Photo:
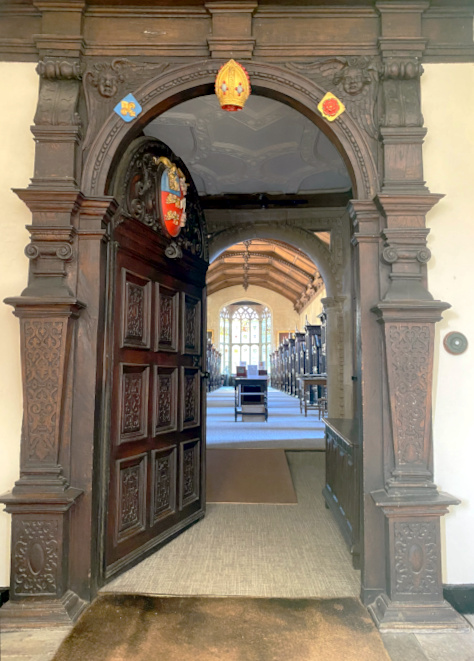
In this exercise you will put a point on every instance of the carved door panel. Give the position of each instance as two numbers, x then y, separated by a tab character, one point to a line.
156	461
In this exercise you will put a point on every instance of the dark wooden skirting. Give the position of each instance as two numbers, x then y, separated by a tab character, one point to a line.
342	489
4	595
461	597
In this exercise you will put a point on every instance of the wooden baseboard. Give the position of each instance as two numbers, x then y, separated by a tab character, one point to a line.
4	595
461	597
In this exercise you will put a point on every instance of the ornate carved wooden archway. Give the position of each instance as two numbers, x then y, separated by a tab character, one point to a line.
56	533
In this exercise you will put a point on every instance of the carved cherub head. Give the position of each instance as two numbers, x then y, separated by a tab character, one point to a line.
106	78
353	79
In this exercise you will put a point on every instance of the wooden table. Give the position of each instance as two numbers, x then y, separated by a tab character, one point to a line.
251	393
305	383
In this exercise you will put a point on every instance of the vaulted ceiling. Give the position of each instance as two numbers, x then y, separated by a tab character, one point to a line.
271	264
266	155
268	147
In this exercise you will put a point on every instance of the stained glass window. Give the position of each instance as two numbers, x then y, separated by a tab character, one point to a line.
250	338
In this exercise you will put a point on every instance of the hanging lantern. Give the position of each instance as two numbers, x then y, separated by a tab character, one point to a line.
232	86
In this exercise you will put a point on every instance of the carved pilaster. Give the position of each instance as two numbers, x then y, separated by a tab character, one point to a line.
405	245
52	240
401	46
57	128
41	498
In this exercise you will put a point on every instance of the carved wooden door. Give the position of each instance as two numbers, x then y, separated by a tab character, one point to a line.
157	426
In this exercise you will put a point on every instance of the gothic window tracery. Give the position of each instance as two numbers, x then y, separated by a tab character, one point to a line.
245	336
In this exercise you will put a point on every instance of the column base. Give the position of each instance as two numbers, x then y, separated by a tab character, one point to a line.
32	613
398	617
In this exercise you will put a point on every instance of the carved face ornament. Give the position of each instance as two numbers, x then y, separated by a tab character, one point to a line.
353	81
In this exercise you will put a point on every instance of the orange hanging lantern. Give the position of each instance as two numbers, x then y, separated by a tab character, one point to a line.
232	86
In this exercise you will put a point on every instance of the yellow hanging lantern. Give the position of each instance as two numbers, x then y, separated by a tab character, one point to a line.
232	86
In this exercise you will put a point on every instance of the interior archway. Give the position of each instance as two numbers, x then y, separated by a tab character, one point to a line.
197	79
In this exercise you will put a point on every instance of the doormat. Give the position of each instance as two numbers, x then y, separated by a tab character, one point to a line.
249	476
123	627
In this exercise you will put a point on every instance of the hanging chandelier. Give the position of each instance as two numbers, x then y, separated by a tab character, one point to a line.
247	245
232	86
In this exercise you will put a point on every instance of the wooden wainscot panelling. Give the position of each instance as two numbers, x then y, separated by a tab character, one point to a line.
136	308
166	321
164	471
165	400
134	402
191	315
190	397
131	502
342	489
189	472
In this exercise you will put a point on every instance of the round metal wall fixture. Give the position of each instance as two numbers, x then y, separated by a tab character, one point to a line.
455	343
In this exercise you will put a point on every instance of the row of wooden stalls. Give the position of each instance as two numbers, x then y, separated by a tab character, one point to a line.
302	353
214	358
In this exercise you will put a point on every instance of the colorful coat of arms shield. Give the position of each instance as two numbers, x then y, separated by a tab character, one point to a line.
172	187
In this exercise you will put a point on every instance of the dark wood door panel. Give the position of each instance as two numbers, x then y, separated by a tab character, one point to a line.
156	475
136	310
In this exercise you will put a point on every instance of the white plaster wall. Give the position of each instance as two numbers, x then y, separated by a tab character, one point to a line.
16	167
283	314
448	100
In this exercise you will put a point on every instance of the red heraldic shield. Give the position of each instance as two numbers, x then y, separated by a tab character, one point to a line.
173	189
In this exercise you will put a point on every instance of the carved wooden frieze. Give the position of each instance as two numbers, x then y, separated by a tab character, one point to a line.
190	401
189	472
131	501
165	399
164	467
354	80
409	362
136	310
416	558
191	315
36	556
134	402
166	322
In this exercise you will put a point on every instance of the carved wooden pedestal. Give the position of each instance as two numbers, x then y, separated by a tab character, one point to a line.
410	501
41	499
39	565
415	592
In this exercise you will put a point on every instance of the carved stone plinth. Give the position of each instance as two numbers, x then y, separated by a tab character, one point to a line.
415	592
